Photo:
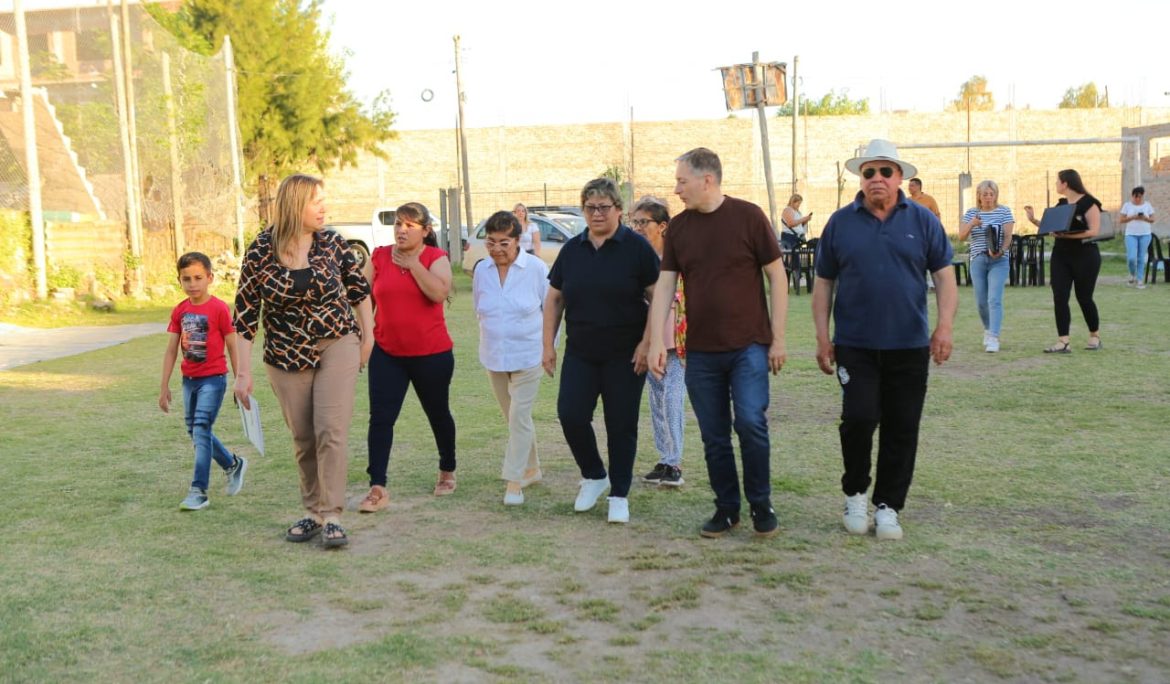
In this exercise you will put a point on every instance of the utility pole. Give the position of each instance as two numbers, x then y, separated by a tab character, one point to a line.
795	113
132	120
32	162
761	99
134	270
176	168
233	122
462	136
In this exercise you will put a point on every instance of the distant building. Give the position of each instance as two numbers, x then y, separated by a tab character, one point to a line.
69	46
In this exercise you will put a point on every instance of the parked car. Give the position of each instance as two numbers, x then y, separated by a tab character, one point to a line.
553	235
363	238
556	209
574	222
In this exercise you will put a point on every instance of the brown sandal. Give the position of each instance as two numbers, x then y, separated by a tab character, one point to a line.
376	500
446	483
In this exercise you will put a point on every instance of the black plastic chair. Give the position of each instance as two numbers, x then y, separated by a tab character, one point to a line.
800	264
962	272
1156	257
1026	261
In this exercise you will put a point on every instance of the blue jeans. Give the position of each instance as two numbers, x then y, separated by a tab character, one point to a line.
988	276
1137	250
202	398
666	410
717	381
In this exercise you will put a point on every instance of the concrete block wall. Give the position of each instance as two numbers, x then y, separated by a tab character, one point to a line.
510	164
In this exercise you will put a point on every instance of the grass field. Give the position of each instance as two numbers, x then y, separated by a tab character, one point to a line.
1037	535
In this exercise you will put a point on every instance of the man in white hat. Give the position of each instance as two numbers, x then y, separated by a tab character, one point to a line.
876	252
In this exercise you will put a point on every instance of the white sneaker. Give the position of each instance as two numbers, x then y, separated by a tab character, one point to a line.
1141	286
886	523
1131	280
619	509
992	345
589	493
857	514
986	338
513	498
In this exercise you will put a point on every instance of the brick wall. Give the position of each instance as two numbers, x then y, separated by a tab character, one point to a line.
511	164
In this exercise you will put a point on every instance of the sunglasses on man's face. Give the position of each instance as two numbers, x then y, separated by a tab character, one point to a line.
886	171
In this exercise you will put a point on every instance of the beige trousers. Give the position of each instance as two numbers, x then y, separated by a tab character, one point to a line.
318	407
516	392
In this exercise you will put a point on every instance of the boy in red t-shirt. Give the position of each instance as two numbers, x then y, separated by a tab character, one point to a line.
202	328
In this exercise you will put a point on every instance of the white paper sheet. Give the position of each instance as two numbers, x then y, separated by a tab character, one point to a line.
251	419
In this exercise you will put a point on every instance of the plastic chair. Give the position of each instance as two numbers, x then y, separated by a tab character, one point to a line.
1156	257
962	272
800	264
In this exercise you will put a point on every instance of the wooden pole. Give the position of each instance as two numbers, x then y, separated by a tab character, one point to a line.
761	97
795	114
134	271
32	162
132	119
229	62
176	168
463	136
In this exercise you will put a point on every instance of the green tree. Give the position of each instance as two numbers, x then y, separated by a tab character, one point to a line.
831	104
294	107
974	94
1084	97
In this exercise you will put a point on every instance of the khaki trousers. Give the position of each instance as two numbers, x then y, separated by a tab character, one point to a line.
516	392
318	407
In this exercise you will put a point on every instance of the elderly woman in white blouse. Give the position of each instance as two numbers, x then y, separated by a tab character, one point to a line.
508	293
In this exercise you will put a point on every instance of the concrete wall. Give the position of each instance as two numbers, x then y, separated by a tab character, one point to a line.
511	164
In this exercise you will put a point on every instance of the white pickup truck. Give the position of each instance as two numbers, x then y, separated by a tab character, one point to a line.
364	237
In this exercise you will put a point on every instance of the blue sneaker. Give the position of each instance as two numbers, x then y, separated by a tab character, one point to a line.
196	500
235	476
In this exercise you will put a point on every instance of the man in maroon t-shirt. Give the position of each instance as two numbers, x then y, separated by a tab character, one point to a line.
723	247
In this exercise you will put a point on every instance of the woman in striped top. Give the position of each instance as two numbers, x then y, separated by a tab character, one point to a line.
987	227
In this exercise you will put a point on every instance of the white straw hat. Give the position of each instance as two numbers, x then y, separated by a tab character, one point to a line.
881	150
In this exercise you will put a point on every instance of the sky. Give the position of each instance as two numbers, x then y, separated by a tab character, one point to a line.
556	62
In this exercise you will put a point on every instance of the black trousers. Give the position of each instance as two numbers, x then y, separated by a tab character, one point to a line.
390	376
620	390
1075	270
883	388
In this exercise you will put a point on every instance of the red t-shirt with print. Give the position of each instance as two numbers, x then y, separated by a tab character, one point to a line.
201	328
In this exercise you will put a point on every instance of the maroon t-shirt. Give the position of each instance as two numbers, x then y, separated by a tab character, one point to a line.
720	255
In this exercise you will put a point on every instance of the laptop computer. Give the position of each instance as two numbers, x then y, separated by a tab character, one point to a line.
1057	219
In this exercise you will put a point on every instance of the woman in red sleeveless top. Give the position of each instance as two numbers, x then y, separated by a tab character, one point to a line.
411	281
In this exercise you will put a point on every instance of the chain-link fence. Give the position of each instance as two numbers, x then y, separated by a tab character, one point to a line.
173	131
822	199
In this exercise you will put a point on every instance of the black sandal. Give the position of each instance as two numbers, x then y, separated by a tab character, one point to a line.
334	536
308	527
1058	348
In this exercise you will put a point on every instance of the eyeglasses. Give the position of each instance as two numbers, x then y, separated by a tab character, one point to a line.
641	223
886	171
597	208
501	244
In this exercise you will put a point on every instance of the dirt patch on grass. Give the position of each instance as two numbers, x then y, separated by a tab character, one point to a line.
565	596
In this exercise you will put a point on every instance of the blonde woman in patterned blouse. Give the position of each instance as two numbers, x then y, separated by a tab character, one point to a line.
304	285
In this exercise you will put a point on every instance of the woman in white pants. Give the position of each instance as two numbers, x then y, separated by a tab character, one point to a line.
508	293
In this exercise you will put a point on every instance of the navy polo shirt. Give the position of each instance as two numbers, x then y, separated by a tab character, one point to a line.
604	293
879	268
